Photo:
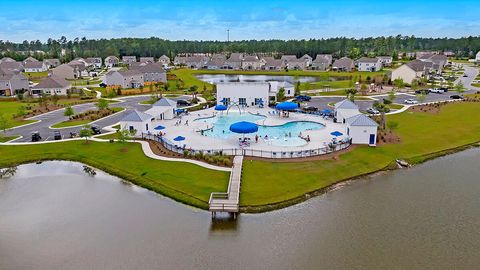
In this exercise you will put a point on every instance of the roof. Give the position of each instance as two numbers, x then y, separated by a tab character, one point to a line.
367	60
130	72
271	62
418	65
111	57
136	116
250	58
165	102
306	56
7	59
345	104
361	120
52	61
151	68
33	64
385	57
52	82
164	57
235	57
216	62
288	57
30	59
343	62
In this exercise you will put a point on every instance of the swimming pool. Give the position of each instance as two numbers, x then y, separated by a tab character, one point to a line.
282	135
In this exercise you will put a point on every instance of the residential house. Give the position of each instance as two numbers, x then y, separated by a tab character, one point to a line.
477	58
35	66
422	54
7	66
180	61
287	58
153	72
95	62
288	87
343	64
52	63
52	85
215	63
439	61
362	129
7	59
344	110
125	79
234	61
322	62
111	61
196	61
308	59
272	64
413	70
13	83
163	109
386	60
297	64
68	71
147	60
129	59
137	122
29	59
164	60
251	62
369	64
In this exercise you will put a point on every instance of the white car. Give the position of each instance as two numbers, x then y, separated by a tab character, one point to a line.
410	101
436	90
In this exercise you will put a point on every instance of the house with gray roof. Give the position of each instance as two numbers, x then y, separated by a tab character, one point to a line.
95	62
344	109
439	61
413	70
163	109
180	60
362	129
386	60
124	79
6	59
30	59
164	60
287	58
147	59
137	122
111	61
153	72
234	61
322	62
272	64
369	64
251	62
11	67
52	63
343	64
35	66
52	85
126	59
308	59
196	61
13	83
69	71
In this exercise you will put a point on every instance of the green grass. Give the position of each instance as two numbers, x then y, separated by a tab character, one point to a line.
111	136
75	122
184	182
7	138
422	134
84	82
395	106
476	84
9	109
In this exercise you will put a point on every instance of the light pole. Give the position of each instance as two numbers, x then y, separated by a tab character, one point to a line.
228	35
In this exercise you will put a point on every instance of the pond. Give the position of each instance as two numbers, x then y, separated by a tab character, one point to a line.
56	216
217	78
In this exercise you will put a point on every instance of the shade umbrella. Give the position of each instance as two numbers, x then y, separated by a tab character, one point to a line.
159	127
220	107
244	127
287	106
179	138
326	111
336	133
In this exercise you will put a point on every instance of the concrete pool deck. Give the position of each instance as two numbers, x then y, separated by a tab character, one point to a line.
318	138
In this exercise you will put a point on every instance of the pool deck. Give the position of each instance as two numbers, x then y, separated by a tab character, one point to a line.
194	139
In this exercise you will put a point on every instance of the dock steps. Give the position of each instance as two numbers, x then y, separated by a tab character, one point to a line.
228	201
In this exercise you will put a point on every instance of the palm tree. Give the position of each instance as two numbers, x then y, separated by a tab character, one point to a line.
382	108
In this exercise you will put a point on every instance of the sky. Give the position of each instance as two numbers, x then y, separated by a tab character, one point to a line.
261	19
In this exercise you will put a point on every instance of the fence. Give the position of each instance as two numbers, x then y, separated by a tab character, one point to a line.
250	152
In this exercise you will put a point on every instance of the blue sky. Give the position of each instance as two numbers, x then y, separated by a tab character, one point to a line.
260	19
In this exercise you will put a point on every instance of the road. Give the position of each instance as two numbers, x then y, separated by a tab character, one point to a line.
49	119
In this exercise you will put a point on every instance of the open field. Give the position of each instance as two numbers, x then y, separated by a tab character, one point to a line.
422	135
184	182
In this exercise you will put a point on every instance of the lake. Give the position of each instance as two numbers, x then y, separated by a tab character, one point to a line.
218	78
55	216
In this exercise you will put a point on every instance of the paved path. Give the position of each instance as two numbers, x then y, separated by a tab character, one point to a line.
229	201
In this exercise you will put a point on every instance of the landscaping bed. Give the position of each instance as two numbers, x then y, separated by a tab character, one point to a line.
87	117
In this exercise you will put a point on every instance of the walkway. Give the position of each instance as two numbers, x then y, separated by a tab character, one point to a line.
229	201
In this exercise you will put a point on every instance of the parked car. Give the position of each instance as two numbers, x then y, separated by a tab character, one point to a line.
435	90
465	75
445	89
56	135
36	136
456	97
303	98
96	130
182	102
372	111
102	85
410	101
310	108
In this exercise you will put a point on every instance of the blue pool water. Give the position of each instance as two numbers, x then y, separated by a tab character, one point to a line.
283	135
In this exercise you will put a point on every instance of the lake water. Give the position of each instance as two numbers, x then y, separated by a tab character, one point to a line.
55	216
217	78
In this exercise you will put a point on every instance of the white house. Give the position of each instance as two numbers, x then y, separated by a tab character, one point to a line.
163	109
477	58
287	86
243	93
344	110
111	61
362	129
387	61
369	64
137	121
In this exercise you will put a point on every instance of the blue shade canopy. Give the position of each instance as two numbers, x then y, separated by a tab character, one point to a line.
244	127
326	111
287	106
220	107
159	127
336	133
179	138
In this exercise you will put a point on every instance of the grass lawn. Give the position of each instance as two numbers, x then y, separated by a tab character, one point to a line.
422	134
78	122
7	138
476	84
9	109
395	106
184	182
108	136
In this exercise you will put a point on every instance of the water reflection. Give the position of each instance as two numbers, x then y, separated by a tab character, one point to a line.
224	222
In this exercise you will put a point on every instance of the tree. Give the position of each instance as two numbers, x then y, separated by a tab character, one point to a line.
382	108
21	111
55	99
391	96
69	112
363	89
297	88
102	104
86	132
398	83
281	94
459	88
351	94
193	90
123	134
414	85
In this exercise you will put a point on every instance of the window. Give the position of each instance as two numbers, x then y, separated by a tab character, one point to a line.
242	101
146	127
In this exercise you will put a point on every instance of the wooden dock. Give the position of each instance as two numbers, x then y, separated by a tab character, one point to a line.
228	201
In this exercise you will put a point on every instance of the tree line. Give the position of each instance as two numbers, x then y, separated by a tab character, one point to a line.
342	46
